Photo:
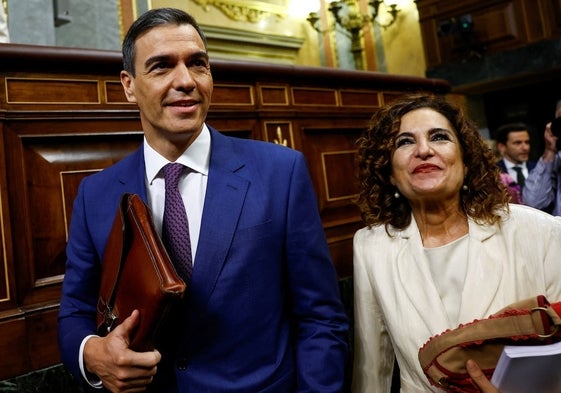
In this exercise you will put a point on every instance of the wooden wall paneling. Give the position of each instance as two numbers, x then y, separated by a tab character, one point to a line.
41	333
114	93
13	347
431	42
18	227
52	164
365	99
273	95
551	14
238	124
232	110
536	24
498	25
501	27
7	268
63	92
51	91
331	152
314	96
233	95
494	28
54	167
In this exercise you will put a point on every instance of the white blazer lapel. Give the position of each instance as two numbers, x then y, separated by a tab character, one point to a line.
417	282
484	272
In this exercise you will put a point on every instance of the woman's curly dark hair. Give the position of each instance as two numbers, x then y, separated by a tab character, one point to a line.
485	194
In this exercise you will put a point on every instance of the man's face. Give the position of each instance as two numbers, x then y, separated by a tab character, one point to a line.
517	147
172	86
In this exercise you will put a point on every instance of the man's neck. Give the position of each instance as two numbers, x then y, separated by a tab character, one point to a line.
513	163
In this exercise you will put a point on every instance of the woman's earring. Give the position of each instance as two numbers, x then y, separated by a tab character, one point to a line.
396	194
464	187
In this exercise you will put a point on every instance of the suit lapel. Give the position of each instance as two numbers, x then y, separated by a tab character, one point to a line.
132	177
484	272
224	200
413	269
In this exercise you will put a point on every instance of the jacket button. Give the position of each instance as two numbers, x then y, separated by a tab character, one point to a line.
182	364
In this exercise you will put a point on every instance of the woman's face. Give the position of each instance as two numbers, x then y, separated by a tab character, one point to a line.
427	161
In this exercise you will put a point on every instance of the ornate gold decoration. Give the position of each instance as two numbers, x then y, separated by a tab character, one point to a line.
347	15
246	11
280	140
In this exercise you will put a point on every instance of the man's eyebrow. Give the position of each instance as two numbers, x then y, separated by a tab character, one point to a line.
167	58
156	59
201	54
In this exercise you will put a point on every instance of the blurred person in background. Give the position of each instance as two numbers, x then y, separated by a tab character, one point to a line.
543	186
513	144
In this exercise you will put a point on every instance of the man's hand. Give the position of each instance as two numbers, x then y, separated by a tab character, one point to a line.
120	368
479	379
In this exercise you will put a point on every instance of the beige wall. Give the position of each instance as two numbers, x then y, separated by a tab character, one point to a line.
403	45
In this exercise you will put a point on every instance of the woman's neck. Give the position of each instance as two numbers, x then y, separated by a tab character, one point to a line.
438	227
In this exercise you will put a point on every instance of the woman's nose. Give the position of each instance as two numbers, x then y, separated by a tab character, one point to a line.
424	148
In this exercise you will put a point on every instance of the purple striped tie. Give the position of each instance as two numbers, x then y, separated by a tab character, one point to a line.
175	229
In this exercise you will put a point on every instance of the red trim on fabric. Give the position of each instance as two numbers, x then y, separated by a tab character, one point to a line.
557	308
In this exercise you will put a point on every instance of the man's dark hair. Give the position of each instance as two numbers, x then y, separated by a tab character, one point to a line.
149	20
501	135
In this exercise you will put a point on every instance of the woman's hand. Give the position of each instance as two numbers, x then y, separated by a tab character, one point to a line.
479	379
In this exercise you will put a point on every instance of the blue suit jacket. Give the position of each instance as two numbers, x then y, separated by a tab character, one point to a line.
264	309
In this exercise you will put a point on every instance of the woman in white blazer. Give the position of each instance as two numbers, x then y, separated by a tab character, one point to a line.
441	245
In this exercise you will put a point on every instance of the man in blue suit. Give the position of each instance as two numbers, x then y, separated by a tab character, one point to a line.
263	311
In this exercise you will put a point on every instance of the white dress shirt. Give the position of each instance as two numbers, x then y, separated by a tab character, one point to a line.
449	274
192	184
510	168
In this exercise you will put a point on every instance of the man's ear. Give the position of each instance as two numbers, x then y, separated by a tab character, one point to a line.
128	85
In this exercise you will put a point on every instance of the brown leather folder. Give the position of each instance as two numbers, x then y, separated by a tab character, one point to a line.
137	273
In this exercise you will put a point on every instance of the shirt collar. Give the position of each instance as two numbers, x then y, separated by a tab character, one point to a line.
196	157
509	164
